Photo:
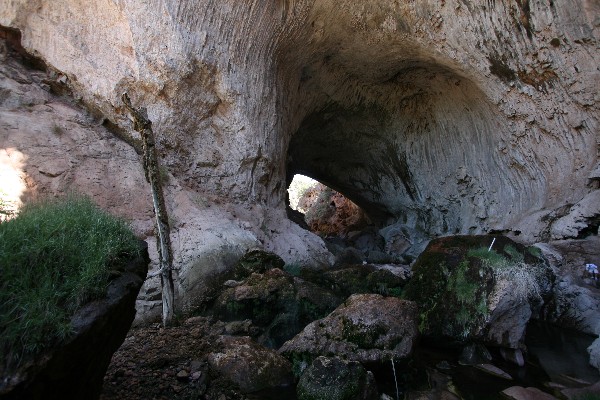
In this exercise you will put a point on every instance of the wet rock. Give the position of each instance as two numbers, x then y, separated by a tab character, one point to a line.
275	302
366	328
474	354
468	293
249	365
384	279
594	351
493	370
256	261
588	392
75	369
514	356
530	393
336	379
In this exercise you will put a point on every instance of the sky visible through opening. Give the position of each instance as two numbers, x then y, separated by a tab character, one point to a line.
299	185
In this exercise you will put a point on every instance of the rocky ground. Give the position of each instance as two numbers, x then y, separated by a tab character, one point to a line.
167	363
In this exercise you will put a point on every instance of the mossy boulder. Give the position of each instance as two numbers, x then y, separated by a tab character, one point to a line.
279	304
384	279
336	379
467	292
257	261
367	328
248	365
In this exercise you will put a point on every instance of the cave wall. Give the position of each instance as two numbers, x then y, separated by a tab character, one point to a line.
456	115
453	116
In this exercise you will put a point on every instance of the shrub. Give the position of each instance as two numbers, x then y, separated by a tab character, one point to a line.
54	257
523	278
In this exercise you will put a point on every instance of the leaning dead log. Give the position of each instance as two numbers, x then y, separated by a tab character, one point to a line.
143	125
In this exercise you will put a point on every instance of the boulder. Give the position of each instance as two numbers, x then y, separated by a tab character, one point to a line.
514	356
474	354
594	351
588	392
250	366
402	239
386	279
468	293
75	368
530	393
331	213
336	379
366	328
575	303
279	304
256	261
582	218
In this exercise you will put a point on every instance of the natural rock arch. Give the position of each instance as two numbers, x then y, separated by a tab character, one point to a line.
422	146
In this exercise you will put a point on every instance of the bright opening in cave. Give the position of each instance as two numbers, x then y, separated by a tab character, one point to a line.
299	186
326	211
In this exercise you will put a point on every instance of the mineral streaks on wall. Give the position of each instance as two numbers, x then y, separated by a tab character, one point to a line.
477	101
457	115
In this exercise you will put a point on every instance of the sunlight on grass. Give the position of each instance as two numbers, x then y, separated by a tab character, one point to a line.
54	257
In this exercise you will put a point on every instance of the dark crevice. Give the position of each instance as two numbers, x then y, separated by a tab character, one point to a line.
12	38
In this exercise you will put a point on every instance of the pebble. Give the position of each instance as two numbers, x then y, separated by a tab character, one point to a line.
196	375
183	375
231	283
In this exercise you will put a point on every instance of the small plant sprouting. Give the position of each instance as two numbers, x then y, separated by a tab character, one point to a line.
164	174
58	130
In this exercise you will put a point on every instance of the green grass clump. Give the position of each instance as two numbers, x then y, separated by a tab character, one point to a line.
54	257
490	257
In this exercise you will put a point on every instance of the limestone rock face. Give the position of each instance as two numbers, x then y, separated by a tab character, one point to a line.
50	146
458	116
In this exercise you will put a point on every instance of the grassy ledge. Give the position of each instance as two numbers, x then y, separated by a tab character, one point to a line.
54	257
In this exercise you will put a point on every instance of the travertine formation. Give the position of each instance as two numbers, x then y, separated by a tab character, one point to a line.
446	116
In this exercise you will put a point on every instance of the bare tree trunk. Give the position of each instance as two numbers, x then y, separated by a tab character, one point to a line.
143	125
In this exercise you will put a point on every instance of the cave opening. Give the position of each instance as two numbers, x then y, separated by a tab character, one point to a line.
326	211
416	144
345	227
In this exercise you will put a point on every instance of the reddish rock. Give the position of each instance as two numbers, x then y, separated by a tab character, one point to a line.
249	365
